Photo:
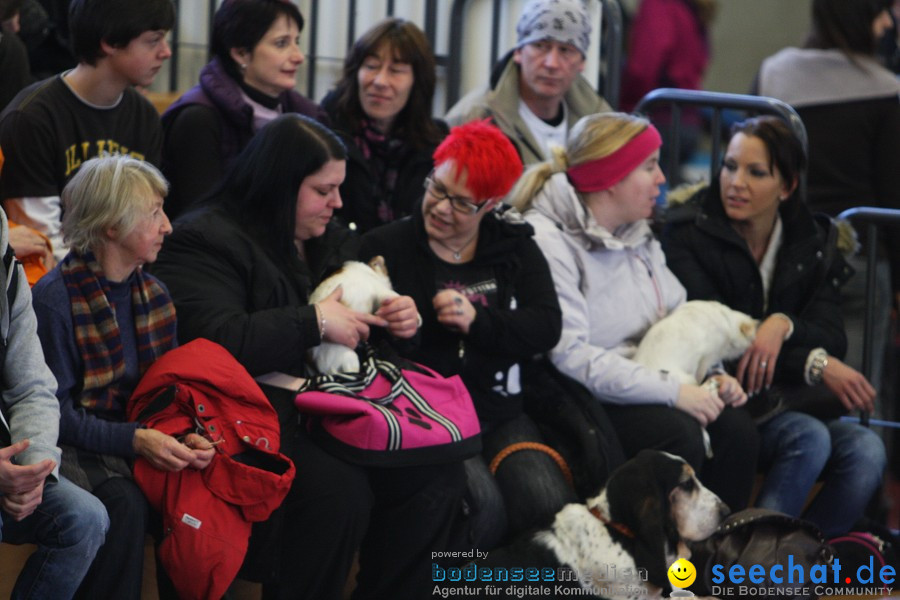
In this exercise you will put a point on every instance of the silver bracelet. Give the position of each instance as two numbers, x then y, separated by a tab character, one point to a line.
815	366
320	316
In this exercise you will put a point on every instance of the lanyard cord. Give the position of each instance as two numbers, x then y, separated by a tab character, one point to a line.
660	307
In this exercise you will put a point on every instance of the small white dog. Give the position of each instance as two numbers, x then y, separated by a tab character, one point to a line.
695	336
365	287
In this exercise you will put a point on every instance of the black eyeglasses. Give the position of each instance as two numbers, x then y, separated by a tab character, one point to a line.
457	203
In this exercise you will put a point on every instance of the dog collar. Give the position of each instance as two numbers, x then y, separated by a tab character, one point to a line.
617	526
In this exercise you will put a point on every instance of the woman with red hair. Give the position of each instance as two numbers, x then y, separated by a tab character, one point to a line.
488	304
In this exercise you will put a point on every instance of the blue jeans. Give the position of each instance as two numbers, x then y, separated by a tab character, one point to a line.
68	527
798	450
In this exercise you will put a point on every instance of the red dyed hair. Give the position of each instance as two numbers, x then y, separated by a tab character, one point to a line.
485	154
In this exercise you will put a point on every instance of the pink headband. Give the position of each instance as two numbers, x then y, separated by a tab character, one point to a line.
603	173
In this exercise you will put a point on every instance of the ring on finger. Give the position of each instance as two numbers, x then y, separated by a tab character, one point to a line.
764	364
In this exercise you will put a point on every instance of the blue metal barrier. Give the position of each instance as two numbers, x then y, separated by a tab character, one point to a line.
717	102
873	218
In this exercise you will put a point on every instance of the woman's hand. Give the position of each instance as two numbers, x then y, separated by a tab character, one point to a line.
730	390
849	385
701	403
343	325
202	449
757	366
26	242
162	450
401	316
454	311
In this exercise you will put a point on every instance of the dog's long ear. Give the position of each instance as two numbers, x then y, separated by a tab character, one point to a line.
638	496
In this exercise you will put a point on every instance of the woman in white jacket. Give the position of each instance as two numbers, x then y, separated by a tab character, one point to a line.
589	207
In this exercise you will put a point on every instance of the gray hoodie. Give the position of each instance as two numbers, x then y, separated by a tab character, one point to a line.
29	388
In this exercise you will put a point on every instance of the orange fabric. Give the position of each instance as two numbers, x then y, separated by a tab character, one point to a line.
33	264
519	446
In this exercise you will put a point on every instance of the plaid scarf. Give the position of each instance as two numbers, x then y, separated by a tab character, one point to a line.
384	155
97	332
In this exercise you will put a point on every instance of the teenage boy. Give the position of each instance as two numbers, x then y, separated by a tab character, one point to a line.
52	127
537	91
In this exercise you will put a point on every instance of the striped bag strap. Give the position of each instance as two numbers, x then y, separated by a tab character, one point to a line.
352	385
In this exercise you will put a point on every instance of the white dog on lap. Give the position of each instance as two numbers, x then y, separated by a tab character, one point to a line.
364	288
694	337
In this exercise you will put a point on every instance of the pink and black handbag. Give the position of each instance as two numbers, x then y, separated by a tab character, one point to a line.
391	416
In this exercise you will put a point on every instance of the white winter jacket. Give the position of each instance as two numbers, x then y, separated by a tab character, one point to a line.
612	287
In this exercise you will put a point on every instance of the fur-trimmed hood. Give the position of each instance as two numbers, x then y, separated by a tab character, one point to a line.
682	196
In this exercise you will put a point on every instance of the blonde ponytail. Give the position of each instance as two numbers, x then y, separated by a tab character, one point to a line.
593	136
536	176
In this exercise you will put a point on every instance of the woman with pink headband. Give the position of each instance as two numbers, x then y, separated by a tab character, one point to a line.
590	206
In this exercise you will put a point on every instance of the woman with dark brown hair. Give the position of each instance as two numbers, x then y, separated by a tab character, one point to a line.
751	242
241	269
381	108
249	81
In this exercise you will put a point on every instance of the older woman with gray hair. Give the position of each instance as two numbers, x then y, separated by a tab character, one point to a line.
102	322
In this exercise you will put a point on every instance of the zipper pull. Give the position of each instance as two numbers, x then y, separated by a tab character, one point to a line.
462	349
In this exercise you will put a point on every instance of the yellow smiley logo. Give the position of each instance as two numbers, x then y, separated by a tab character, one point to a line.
682	573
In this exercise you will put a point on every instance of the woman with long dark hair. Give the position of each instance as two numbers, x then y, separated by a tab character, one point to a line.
750	242
381	108
240	270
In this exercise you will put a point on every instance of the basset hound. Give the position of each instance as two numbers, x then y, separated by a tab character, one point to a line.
620	544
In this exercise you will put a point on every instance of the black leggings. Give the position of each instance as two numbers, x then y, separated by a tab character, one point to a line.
528	490
395	517
118	568
735	444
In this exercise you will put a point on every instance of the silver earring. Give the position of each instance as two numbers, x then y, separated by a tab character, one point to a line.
243	66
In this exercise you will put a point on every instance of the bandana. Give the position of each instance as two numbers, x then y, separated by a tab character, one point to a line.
564	21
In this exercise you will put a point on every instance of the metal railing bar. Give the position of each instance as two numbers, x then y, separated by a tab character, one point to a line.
312	57
873	217
611	55
495	32
719	101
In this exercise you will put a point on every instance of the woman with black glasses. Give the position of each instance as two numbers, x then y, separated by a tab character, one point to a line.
488	304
